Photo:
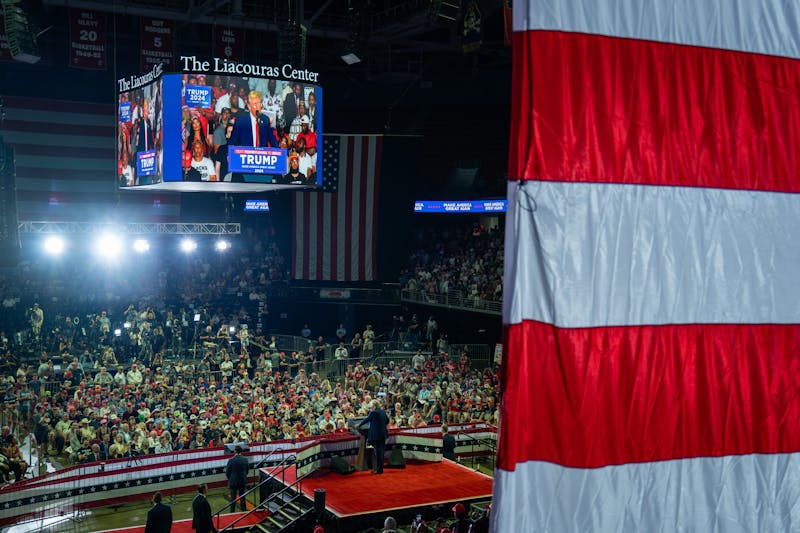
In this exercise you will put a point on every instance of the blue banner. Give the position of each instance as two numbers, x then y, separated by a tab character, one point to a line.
146	163
198	96
125	112
460	206
256	160
256	205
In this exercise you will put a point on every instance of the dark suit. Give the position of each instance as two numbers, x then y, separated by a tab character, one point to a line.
159	519
377	435
449	446
144	134
242	134
290	109
236	472
201	515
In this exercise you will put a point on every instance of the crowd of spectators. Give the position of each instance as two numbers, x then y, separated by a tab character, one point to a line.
97	393
98	366
104	405
465	257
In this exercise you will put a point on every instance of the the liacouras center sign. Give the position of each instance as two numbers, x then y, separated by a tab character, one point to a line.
225	66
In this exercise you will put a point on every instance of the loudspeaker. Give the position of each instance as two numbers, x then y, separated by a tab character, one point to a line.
396	459
340	466
9	234
319	500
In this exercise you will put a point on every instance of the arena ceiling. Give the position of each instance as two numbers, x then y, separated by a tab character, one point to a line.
393	37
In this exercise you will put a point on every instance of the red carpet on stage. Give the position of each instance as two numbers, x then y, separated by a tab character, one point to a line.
185	526
418	484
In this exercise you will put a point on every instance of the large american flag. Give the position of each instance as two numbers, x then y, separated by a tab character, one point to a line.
66	164
335	229
651	302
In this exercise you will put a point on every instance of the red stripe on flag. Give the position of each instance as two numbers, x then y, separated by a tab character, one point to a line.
362	227
605	109
59	106
616	395
333	224
72	129
59	174
376	196
322	235
306	237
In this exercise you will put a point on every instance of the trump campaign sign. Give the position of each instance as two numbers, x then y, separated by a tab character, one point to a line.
257	160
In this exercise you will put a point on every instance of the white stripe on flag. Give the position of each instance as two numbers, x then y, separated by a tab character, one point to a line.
687	495
732	25
58	117
656	255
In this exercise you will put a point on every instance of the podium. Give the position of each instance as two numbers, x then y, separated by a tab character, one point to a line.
362	462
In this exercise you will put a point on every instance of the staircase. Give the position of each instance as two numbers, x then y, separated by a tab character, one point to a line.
286	511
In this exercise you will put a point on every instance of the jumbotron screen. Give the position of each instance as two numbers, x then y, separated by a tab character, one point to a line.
222	132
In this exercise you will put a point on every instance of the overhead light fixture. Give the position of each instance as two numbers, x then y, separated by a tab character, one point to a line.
350	58
108	246
54	245
222	245
188	245
141	245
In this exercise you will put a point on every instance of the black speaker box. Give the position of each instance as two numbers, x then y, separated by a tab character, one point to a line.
396	459
340	466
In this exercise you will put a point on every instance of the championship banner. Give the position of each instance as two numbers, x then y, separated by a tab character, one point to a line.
229	43
5	52
87	39
157	43
257	160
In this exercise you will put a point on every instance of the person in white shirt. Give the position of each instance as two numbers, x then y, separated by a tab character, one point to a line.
202	164
225	100
134	376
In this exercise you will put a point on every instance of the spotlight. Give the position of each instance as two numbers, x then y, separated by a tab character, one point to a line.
109	246
54	245
141	245
222	245
188	245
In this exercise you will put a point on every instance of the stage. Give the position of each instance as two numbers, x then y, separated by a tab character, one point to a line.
363	499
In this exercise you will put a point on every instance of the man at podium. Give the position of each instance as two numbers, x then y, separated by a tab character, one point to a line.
376	421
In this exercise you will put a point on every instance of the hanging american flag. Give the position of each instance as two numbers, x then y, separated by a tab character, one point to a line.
335	229
66	164
652	324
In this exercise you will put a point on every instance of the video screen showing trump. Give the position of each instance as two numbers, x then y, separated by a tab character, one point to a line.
222	132
139	136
